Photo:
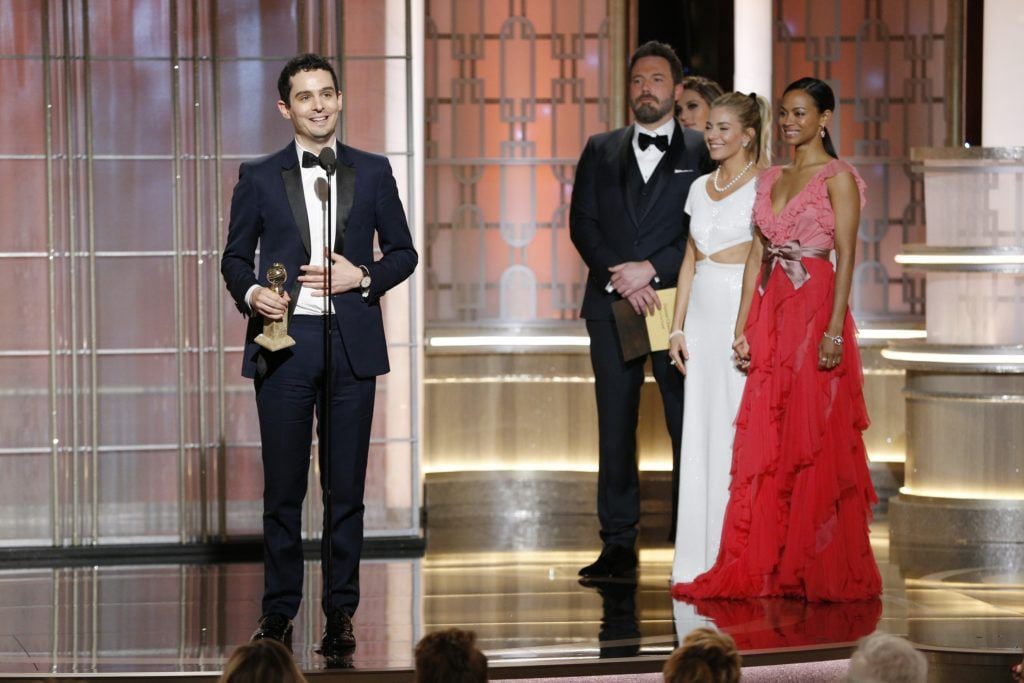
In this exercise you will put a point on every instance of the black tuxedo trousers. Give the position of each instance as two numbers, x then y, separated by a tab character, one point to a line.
286	396
617	385
617	217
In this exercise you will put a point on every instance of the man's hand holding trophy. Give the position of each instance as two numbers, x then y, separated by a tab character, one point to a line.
275	332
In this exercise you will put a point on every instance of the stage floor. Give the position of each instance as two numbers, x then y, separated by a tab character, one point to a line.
527	609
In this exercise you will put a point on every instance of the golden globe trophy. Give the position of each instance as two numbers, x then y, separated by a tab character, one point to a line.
275	332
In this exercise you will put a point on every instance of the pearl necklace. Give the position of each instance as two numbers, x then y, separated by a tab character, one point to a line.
714	179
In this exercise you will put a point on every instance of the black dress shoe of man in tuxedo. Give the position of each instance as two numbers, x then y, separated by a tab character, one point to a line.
615	562
274	627
339	639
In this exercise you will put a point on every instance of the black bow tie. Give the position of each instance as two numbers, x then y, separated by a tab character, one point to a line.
659	141
309	159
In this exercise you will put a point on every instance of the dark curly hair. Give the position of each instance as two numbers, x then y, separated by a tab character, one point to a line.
450	656
303	62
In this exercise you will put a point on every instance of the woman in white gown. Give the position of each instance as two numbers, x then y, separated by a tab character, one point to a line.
707	303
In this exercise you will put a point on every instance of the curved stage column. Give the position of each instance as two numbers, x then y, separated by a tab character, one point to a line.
964	485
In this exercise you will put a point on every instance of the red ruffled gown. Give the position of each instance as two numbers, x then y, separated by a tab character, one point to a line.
800	497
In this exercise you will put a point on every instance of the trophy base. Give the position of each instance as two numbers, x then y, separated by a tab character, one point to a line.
274	343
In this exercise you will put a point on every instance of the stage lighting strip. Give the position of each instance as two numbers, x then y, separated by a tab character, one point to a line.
882	333
472	560
887	457
996	259
973	586
514	379
951	358
535	463
542	342
559	379
511	340
553	464
961	493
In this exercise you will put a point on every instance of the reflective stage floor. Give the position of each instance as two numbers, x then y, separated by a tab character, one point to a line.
531	616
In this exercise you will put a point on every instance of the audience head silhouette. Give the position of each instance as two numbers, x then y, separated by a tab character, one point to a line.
884	658
261	661
450	656
705	656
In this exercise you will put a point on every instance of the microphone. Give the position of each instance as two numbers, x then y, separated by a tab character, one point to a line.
328	160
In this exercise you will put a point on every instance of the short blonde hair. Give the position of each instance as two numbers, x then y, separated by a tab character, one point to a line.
705	656
754	112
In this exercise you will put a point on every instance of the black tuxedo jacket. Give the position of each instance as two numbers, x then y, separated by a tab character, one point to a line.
268	208
606	223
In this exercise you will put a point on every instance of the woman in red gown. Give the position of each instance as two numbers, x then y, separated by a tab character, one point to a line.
800	496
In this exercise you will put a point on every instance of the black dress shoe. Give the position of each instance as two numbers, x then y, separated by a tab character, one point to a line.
274	627
615	562
339	640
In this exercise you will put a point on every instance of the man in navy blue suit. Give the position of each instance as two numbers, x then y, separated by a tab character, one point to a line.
280	205
627	222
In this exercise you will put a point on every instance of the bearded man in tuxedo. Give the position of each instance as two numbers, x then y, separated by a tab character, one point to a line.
628	224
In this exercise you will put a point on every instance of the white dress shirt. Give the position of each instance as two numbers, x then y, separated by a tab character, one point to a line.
316	214
647	160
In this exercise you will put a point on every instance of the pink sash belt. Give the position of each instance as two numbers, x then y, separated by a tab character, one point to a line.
788	256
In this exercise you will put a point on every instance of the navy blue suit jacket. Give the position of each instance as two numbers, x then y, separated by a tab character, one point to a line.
268	208
608	229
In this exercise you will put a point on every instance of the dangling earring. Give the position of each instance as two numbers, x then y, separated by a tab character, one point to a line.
821	132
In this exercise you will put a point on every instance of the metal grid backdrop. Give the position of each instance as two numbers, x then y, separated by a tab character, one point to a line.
514	89
123	417
885	62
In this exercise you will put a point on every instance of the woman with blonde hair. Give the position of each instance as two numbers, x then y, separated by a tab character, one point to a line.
708	296
796	524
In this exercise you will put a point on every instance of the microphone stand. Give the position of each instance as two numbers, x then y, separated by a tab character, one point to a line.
329	162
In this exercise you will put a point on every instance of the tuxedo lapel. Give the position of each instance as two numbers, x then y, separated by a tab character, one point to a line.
292	178
666	167
346	193
627	160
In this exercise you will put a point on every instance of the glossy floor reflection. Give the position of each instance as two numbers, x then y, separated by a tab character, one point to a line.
524	607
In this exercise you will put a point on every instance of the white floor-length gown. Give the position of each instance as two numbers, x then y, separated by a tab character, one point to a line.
713	384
